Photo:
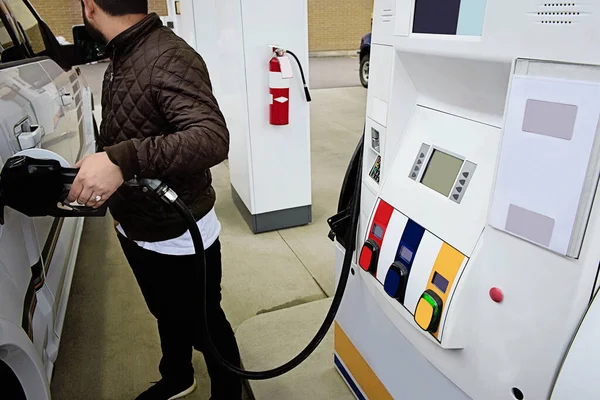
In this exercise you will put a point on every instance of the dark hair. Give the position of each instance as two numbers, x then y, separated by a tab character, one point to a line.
123	7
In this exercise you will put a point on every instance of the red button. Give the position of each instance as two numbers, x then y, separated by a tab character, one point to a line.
496	295
365	258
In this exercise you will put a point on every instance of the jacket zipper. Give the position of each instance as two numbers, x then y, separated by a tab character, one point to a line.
112	77
112	73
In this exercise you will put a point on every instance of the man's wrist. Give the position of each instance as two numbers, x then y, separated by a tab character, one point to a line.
124	155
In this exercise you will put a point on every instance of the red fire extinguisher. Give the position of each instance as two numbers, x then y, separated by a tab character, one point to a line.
280	87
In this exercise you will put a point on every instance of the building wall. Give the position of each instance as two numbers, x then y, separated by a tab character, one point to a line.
335	25
61	15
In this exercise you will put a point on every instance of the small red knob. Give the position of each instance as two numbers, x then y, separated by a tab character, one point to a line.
496	295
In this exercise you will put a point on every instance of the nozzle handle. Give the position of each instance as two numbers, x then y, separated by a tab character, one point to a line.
68	175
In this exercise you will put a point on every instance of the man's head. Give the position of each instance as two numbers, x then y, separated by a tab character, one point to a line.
105	19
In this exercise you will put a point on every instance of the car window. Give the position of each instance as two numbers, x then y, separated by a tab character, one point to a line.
5	39
27	25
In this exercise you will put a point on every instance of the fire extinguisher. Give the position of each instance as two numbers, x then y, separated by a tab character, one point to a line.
279	86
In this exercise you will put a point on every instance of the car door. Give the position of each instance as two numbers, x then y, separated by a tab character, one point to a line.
58	107
24	300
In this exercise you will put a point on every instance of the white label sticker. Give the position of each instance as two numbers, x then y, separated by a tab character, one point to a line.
286	67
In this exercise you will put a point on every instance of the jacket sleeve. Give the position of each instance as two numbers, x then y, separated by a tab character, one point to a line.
182	92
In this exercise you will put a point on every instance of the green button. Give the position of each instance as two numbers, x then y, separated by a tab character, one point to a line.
433	303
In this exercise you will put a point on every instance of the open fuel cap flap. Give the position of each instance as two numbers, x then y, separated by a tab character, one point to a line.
39	188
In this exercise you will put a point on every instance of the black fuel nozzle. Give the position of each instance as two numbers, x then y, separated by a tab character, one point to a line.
39	188
157	187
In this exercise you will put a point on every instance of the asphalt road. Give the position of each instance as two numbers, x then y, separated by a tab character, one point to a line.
334	72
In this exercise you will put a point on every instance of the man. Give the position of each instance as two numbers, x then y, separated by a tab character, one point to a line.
161	120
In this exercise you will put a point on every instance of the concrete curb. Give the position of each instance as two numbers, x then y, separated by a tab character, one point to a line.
341	53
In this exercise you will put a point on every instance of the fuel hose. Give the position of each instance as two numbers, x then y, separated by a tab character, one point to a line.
170	197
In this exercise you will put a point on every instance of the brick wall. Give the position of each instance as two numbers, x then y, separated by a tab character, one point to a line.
335	25
61	15
158	6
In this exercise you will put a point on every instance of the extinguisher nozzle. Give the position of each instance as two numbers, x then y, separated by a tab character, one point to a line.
307	92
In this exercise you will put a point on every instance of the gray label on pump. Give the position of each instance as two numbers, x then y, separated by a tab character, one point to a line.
550	119
530	225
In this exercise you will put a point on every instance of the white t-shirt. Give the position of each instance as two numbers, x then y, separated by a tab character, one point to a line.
210	229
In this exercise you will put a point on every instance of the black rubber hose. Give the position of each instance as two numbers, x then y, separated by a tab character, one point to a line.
306	91
329	319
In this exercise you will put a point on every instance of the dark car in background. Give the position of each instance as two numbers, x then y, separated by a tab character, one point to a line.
364	57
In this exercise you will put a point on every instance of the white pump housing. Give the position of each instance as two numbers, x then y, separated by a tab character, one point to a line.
479	219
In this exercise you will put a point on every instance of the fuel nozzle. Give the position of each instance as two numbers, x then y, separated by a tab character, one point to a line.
39	188
163	191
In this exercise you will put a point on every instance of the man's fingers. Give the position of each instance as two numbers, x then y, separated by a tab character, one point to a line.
99	204
92	200
76	190
96	199
85	196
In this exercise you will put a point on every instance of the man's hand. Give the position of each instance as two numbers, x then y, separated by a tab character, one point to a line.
98	179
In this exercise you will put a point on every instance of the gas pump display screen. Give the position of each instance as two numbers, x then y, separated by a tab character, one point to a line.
441	172
406	254
377	231
440	282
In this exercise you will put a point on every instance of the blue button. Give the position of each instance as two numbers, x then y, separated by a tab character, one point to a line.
396	280
392	282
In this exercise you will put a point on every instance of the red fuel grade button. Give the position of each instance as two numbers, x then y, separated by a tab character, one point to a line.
496	295
369	256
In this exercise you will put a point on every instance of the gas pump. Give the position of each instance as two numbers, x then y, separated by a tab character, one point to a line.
478	262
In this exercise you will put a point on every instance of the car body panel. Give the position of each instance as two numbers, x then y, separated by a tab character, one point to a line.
44	95
365	46
42	106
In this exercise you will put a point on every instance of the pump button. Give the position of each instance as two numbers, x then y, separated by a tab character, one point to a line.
369	256
396	280
429	311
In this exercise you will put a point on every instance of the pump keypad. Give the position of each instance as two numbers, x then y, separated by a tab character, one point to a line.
419	162
461	186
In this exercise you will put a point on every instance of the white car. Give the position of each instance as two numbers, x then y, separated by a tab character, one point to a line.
44	104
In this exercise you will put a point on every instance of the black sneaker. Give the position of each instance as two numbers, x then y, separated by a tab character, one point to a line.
168	390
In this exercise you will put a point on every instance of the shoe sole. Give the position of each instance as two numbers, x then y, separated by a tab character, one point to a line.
185	392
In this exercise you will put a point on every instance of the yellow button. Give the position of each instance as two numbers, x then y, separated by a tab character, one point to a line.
424	314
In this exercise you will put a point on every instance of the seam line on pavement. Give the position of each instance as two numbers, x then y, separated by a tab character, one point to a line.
304	265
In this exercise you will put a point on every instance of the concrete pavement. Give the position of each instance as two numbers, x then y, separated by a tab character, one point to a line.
110	347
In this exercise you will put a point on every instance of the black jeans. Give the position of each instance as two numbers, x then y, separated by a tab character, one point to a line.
173	293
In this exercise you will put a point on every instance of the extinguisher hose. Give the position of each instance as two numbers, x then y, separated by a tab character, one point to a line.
306	91
170	197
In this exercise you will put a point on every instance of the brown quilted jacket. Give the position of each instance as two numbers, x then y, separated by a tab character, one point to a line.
160	120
